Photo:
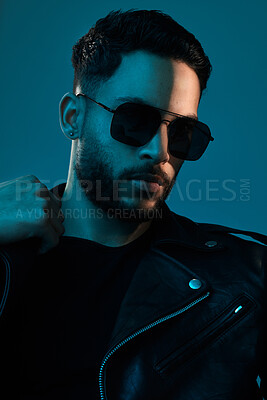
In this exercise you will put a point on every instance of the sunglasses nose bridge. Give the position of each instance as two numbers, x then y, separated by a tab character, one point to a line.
157	147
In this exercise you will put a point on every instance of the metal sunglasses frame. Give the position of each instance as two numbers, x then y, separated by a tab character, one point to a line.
156	108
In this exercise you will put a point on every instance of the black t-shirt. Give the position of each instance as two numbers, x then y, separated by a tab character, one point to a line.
68	311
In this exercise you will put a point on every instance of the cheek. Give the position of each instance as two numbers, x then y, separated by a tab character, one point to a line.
97	125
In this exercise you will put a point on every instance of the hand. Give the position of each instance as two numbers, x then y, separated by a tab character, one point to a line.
28	209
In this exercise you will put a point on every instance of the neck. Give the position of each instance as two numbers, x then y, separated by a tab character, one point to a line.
85	220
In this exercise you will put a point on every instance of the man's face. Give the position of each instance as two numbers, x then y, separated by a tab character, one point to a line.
105	167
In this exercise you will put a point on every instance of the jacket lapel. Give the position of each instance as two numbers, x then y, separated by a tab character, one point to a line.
160	285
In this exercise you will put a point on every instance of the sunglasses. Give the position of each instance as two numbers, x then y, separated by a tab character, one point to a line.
136	124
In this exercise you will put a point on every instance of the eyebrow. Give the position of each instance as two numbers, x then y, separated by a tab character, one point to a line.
138	100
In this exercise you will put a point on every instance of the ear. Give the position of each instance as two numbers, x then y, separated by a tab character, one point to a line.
71	114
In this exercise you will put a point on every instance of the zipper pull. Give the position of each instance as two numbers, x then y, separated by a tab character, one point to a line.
238	309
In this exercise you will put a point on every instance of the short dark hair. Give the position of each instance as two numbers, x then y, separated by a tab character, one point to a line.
99	53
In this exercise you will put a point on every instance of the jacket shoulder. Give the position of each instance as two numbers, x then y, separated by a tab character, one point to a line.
246	235
207	234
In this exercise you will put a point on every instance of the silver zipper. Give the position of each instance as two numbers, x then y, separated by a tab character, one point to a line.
159	321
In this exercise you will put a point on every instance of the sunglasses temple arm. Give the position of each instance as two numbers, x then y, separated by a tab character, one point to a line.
206	134
96	102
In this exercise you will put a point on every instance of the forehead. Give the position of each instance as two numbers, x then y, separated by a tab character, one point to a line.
158	81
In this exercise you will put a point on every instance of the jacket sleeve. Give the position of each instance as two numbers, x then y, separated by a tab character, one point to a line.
16	261
4	279
262	342
262	345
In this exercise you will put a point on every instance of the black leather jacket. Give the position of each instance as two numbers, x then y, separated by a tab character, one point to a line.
192	324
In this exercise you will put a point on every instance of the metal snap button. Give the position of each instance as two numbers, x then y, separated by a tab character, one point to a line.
195	284
211	243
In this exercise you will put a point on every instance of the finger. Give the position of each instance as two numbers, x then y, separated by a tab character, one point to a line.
55	208
45	193
50	209
55	196
55	219
42	191
31	178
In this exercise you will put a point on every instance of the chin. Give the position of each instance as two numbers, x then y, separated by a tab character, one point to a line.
140	204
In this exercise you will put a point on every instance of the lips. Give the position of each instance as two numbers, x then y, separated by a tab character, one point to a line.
147	182
149	178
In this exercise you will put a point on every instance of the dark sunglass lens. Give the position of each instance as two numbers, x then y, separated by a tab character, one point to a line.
134	124
188	138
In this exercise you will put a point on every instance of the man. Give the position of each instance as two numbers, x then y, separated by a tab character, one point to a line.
105	292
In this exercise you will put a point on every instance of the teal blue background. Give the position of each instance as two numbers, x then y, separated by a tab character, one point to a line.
36	40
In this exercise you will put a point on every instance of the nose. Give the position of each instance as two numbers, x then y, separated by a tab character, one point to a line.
157	148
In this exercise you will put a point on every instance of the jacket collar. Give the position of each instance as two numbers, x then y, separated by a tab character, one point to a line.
179	230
